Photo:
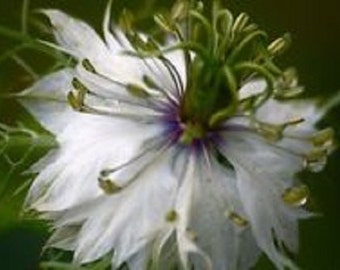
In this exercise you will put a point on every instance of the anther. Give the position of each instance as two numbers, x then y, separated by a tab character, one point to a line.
323	138
88	66
148	46
280	45
74	101
137	91
164	23
296	196
236	218
271	132
316	159
79	86
149	82
76	97
240	23
171	216
108	186
287	86
179	10
289	93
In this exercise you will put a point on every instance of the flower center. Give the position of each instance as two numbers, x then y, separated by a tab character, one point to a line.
192	132
207	94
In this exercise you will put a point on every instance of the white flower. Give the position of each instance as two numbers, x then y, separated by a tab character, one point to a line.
137	176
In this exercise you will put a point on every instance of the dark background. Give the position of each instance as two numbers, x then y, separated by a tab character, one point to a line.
315	28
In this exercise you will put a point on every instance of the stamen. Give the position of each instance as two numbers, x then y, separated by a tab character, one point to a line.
165	24
125	20
280	45
289	93
294	122
148	46
315	155
227	20
109	186
245	42
75	102
164	90
174	74
240	22
296	196
88	66
157	53
271	132
77	98
171	216
287	86
117	110
274	132
236	219
129	171
179	10
316	159
202	19
323	138
79	86
134	89
137	91
149	82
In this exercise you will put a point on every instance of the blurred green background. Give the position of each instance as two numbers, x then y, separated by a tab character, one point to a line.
315	27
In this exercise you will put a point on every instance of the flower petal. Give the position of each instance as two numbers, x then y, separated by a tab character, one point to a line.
279	112
252	88
76	36
137	219
87	146
46	100
261	192
205	229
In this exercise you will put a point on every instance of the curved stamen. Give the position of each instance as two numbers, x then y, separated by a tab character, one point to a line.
134	167
165	90
114	97
174	74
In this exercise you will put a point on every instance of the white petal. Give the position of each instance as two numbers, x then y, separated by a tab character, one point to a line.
115	38
76	36
46	100
64	238
107	90
111	41
260	191
87	146
244	251
282	162
279	112
204	228
186	245
252	88
140	260
128	221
